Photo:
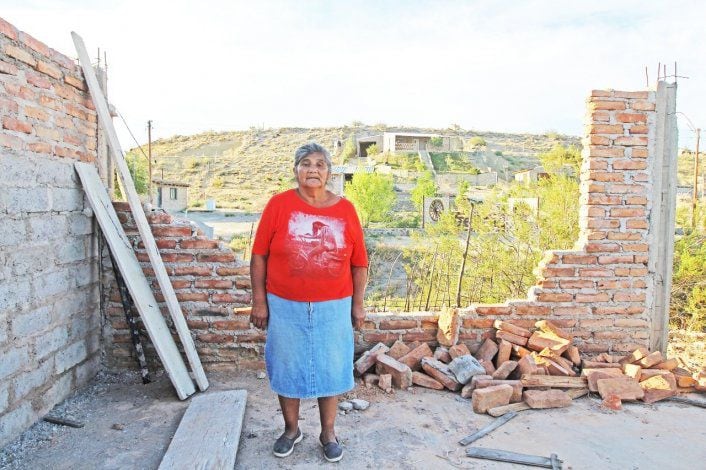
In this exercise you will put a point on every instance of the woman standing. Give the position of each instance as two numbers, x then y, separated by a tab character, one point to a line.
308	272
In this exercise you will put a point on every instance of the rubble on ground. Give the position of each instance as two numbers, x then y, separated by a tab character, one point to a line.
526	369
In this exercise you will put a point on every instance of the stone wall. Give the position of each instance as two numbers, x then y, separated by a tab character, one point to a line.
49	284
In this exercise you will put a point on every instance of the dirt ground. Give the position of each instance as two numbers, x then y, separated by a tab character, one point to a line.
129	425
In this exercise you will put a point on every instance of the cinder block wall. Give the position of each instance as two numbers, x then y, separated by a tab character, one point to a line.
49	285
601	291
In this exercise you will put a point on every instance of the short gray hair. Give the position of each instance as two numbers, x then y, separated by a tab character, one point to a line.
309	148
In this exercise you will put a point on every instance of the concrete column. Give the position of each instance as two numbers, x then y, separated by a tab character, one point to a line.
663	149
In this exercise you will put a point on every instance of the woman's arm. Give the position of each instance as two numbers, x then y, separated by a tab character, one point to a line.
360	277
258	274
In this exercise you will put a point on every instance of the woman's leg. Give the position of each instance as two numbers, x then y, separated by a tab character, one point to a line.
327	413
290	412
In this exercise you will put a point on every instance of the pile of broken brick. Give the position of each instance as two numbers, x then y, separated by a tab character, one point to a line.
525	369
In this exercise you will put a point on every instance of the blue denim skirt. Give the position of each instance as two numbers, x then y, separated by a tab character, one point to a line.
309	347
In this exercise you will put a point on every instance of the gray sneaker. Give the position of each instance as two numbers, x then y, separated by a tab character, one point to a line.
333	451
284	446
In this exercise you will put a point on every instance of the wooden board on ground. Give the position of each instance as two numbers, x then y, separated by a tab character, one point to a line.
138	214
209	433
135	279
513	457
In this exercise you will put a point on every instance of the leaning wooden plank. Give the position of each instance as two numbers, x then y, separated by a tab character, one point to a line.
513	457
138	213
209	432
530	380
135	279
488	429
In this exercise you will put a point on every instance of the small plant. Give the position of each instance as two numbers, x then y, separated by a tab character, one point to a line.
191	163
372	150
477	142
436	141
217	182
498	153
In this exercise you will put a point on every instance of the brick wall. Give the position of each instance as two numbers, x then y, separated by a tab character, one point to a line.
602	290
49	285
212	289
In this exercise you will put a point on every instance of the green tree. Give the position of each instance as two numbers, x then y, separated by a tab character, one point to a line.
426	187
477	142
137	164
372	150
688	305
373	196
554	160
349	150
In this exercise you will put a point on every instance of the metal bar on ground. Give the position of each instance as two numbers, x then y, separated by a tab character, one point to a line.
138	213
514	457
488	429
135	279
127	302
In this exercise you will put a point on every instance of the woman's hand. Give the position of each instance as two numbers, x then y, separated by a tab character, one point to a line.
357	316
259	315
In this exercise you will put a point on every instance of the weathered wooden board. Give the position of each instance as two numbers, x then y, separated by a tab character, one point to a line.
139	215
207	437
513	457
135	279
488	429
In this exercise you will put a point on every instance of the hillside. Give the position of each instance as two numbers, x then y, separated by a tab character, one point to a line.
241	169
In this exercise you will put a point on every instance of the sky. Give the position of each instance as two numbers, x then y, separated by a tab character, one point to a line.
506	66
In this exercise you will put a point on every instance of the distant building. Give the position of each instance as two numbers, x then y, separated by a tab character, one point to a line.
171	195
399	142
531	175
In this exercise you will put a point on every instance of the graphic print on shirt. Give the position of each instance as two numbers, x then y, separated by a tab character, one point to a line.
317	245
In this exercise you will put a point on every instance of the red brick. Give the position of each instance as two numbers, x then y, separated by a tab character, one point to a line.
15	125
215	258
401	373
39	147
199	244
642	105
380	337
594	164
424	335
571	310
643	95
607	105
213	284
629	165
8	30
529	309
34	44
599	140
597	151
441	372
192	296
223	298
48	69
603	200
423	380
169	231
601	93
606	176
214	338
606	129
614	284
192	271
603	223
237	271
493	310
414	357
590	298
258	337
397	324
639	130
541	399
615	259
38	81
75	82
639	152
637	224
559	272
602	247
631	117
555	297
20	54
631	140
625	388
490	397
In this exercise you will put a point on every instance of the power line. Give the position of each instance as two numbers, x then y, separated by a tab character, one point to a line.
133	136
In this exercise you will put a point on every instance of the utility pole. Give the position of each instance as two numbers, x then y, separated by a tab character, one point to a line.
695	192
149	159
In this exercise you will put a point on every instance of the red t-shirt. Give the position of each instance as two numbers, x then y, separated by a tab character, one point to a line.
310	250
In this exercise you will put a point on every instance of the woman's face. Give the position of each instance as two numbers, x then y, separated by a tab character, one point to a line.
312	171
